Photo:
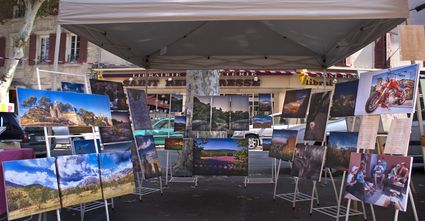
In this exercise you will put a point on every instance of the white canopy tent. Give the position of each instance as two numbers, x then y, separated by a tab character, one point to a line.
234	34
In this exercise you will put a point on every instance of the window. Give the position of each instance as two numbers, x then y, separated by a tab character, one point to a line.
44	49
74	49
19	9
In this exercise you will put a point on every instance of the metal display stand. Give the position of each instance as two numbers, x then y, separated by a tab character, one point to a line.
141	190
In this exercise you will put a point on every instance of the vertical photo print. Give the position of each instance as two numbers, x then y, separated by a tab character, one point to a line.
114	90
239	114
79	179
72	87
340	147
220	156
31	187
344	99
179	123
296	103
176	103
183	167
220	113
283	144
117	175
317	116
120	131
308	161
173	143
201	113
262	122
265	102
266	143
139	109
380	180
148	156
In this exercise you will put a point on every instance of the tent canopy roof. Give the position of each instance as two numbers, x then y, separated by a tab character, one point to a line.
239	34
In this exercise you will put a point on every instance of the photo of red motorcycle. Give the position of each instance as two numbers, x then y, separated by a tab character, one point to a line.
387	93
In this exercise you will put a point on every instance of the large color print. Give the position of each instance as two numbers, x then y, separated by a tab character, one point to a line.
220	113
283	144
390	91
296	103
38	108
120	131
114	90
264	102
148	156
139	109
308	162
179	123
380	180
31	187
317	116
344	99
239	112
340	147
220	156
201	113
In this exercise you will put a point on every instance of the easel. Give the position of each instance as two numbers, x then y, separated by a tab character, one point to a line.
94	205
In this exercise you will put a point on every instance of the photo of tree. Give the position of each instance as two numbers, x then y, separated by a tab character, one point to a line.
264	102
179	123
283	144
120	131
117	175
220	156
39	108
79	179
201	113
296	103
148	156
139	109
114	90
31	187
340	146
84	146
72	87
220	113
267	144
183	167
344	99
239	112
308	161
262	122
176	103
317	116
173	143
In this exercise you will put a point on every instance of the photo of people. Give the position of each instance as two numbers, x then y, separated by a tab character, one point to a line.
114	90
264	102
262	122
344	99
317	116
283	144
239	112
340	147
220	113
148	156
296	103
380	180
201	113
308	161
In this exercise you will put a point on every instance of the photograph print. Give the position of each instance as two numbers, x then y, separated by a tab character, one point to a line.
183	167
266	143
84	146
39	108
296	103
148	156
72	87
117	175
381	180
120	131
344	99
220	157
317	116
179	123
173	143
114	90
308	161
201	113
220	113
390	91
139	109
262	122
283	144
340	146
239	114
265	102
31	187
79	179
121	146
176	103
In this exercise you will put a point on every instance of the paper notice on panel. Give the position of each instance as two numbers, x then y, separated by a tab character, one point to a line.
368	132
398	137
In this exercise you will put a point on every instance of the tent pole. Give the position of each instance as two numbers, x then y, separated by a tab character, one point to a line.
56	55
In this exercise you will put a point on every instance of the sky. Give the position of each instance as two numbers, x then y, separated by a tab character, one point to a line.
204	99
296	95
34	171
265	98
239	103
177	96
282	136
262	119
114	161
98	104
75	168
222	143
343	139
409	72
222	102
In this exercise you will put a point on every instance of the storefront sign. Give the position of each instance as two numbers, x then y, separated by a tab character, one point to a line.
312	81
182	82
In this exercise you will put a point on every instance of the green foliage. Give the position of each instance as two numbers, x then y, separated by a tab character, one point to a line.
49	7
30	102
45	103
27	196
201	111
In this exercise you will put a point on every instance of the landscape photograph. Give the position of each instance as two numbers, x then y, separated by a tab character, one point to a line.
340	146
201	113
239	112
173	143
84	146
220	113
220	156
179	123
296	103
176	103
117	177
40	108
283	144
31	187
79	179
264	102
317	116
114	90
183	167
262	122
344	99
139	109
72	87
148	156
308	161
120	131
121	146
266	144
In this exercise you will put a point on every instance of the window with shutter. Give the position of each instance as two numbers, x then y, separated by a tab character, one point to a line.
43	54
52	44
83	50
381	52
2	51
74	49
32	50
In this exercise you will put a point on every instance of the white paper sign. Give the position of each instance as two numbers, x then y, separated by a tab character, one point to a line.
398	137
368	132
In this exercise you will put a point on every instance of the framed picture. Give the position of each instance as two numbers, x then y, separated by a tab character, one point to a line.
239	112
120	131
344	99
265	102
201	113
308	161
220	115
296	103
148	156
317	117
114	90
183	167
340	147
283	144
139	109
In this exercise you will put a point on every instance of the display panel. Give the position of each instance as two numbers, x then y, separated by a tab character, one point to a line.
317	116
179	123
239	112
114	90
308	161
283	144
183	167
148	156
344	99
139	109
120	131
220	115
201	113
296	103
176	103
340	147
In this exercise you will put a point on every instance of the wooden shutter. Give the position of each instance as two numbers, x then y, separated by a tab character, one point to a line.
62	49
52	44
2	51
83	50
381	52
32	50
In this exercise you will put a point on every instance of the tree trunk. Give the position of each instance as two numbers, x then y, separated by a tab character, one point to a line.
19	42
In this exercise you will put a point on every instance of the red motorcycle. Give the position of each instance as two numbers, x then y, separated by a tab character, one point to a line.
386	94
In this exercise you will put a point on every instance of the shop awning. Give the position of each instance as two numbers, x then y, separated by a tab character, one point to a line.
233	34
